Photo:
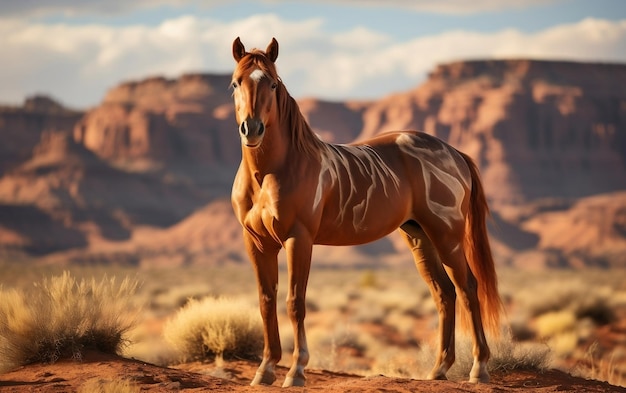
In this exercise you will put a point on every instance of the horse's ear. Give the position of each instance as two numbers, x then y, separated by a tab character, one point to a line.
272	50
239	51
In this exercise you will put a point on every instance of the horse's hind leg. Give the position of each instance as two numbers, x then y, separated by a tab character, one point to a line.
452	254
467	287
442	290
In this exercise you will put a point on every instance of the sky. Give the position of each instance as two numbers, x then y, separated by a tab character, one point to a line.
74	51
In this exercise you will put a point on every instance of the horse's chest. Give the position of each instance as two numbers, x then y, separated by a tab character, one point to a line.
262	215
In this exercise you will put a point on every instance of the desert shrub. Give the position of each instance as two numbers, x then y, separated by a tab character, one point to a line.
508	355
96	385
215	328
553	323
60	317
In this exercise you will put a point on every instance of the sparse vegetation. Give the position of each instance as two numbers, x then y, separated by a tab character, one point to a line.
387	328
609	368
215	328
508	355
60	317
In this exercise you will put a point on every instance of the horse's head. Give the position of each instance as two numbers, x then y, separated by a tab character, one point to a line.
254	89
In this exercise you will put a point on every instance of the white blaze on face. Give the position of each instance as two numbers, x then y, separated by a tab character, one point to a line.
256	75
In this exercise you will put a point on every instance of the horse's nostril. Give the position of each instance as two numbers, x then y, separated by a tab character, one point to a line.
243	129
261	128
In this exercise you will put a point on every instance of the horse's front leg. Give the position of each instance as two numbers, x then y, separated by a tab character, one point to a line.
265	264
298	248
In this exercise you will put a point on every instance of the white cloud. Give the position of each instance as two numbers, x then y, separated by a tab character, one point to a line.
449	6
387	68
78	63
73	7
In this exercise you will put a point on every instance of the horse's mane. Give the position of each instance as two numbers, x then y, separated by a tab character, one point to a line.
303	138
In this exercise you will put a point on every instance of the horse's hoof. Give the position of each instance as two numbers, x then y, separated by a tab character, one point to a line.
482	378
479	373
263	379
294	381
437	377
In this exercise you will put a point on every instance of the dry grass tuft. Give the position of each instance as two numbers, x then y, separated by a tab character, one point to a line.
506	356
610	369
60	317
215	328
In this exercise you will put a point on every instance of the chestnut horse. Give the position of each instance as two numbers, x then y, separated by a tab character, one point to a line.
292	190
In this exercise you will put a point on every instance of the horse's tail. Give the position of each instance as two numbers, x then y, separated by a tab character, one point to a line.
478	253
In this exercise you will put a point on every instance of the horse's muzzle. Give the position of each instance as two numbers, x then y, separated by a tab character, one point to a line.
251	132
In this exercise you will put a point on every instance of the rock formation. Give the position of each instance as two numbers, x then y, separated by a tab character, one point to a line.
536	128
156	161
184	119
21	127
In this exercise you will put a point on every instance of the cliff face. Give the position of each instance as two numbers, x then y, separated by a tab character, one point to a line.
536	128
21	127
189	118
156	161
66	197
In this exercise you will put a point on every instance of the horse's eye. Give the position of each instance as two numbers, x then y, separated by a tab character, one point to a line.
233	85
274	86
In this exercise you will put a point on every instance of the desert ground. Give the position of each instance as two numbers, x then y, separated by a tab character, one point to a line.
368	330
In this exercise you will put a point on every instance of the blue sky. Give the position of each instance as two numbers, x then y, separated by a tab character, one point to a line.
336	50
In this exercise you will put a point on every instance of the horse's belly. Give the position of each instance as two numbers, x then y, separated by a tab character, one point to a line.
358	215
358	229
343	238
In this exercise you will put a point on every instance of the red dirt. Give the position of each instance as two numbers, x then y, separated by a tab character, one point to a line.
68	376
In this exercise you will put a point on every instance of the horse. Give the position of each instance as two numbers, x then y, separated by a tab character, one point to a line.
292	190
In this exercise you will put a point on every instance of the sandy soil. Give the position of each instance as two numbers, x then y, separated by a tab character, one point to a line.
68	376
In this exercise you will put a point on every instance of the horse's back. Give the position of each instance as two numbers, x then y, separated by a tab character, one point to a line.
422	147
